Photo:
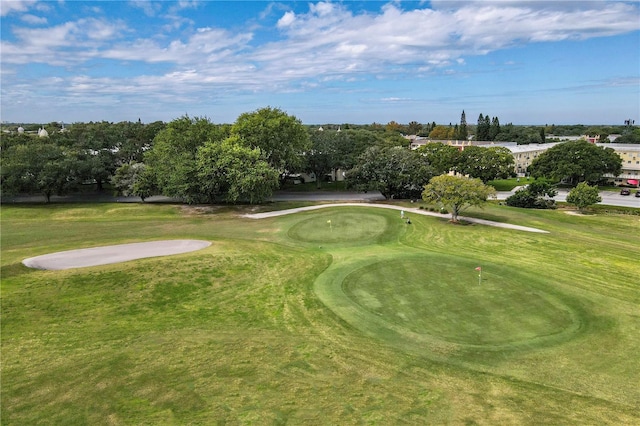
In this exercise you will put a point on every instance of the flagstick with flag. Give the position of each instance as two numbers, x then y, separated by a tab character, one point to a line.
330	227
479	269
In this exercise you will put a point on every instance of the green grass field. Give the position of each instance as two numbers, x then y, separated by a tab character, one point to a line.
337	316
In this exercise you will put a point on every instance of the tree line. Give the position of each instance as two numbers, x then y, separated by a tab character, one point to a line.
198	161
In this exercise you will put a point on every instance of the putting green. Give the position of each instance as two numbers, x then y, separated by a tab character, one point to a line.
340	227
432	298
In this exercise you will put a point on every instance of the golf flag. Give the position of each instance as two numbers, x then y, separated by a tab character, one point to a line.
479	268
329	221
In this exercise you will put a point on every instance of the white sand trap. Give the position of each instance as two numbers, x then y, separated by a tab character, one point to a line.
113	254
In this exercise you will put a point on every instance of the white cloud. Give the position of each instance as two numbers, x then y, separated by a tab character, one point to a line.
149	8
287	19
322	8
7	7
60	45
326	45
33	19
206	45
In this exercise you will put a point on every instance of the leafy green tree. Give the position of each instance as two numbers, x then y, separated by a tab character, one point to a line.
442	158
96	144
281	137
414	128
322	157
576	161
441	132
134	179
456	193
232	172
522	135
134	139
38	168
630	136
394	171
173	156
486	163
394	127
583	196
537	195
356	143
12	139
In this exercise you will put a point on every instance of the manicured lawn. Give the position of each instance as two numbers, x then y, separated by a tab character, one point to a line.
508	184
337	316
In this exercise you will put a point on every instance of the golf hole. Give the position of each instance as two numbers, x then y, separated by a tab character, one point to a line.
339	228
445	300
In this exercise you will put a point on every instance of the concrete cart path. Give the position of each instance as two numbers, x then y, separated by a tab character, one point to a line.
113	254
389	206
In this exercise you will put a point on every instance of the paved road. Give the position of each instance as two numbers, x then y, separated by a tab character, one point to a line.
608	198
390	206
277	196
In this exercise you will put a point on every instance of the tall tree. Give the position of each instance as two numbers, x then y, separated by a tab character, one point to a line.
322	157
281	137
576	161
483	128
486	163
230	171
395	127
38	168
456	193
494	129
134	179
543	136
356	142
441	133
394	171
414	128
173	156
442	158
463	131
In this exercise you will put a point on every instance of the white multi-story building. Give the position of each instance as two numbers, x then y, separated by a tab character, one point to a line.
630	154
524	155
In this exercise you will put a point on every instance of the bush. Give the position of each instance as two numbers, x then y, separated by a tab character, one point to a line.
532	196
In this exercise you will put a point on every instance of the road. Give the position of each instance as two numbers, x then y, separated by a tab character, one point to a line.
608	198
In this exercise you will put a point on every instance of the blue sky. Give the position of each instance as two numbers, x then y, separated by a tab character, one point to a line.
527	62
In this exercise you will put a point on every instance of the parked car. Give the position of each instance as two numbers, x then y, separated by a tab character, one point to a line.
638	193
625	191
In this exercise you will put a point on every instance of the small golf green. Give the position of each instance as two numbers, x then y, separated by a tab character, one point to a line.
441	298
340	227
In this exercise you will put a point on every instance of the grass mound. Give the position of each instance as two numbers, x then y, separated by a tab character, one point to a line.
442	298
340	227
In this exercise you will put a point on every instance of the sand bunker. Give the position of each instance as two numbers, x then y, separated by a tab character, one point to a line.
113	254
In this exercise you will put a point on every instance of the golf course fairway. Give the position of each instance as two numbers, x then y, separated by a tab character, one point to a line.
340	315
